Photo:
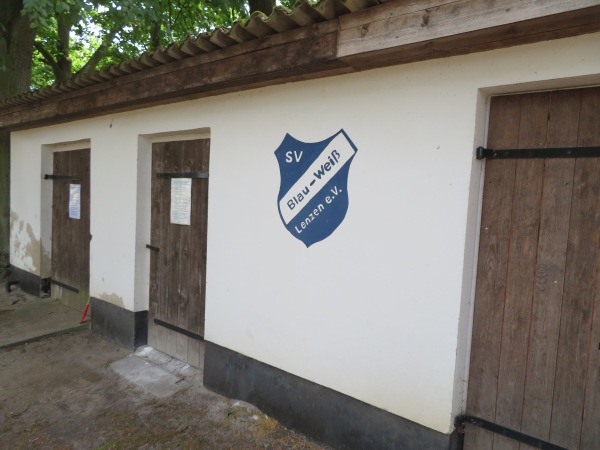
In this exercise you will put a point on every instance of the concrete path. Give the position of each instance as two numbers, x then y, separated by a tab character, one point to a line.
25	318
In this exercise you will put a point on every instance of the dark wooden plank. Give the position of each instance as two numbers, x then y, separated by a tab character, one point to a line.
369	39
70	228
521	268
190	272
53	113
203	230
200	149
74	230
194	269
382	19
58	217
164	245
556	27
313	54
160	191
155	218
264	43
172	233
578	307
68	232
372	32
244	67
491	271
155	261
168	298
550	268
589	134
195	277
186	238
81	260
278	39
84	267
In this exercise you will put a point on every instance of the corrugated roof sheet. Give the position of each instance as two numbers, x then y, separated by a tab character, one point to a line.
255	27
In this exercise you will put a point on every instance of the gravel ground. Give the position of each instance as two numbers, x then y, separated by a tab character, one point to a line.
62	393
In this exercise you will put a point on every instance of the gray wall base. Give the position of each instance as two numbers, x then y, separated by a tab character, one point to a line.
127	328
28	282
319	412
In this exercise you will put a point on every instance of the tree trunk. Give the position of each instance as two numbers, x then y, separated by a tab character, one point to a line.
16	49
64	65
92	63
16	53
154	35
264	6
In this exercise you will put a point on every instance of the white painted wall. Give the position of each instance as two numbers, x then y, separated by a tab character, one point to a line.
381	309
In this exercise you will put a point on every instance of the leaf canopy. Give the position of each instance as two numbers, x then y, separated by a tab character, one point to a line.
79	36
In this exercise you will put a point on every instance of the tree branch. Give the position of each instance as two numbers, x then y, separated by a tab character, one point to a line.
91	63
155	36
48	59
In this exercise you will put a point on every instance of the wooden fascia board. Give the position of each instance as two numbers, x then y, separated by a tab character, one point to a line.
537	29
400	23
305	53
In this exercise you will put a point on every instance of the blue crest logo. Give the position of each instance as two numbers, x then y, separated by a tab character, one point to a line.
313	196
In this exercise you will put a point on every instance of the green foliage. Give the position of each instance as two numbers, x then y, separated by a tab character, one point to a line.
81	50
103	32
42	11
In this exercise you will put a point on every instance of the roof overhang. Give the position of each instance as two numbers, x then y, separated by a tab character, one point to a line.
392	33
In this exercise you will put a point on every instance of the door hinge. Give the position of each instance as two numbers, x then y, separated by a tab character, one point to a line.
460	422
61	177
182	174
522	153
64	285
180	330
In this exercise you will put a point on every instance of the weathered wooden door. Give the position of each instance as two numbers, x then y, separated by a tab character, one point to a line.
535	357
178	261
70	266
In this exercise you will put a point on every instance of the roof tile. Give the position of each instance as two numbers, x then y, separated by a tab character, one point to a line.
255	27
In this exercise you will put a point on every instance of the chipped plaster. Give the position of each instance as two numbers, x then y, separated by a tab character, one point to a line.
25	245
112	298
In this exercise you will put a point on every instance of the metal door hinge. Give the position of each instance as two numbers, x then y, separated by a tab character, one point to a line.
522	153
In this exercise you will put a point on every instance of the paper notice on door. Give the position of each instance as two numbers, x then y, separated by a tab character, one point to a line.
74	201
181	200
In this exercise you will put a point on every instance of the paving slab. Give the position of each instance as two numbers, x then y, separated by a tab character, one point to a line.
26	318
149	377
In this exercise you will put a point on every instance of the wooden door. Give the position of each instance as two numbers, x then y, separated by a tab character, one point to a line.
178	261
535	356
70	271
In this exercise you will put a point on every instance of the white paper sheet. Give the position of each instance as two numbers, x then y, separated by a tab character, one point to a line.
181	200
74	201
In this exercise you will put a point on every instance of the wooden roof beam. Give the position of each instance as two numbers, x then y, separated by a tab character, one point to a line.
400	32
311	57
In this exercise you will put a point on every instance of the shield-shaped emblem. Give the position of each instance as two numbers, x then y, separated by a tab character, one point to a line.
313	196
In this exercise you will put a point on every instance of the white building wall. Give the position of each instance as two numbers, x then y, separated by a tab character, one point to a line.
380	309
